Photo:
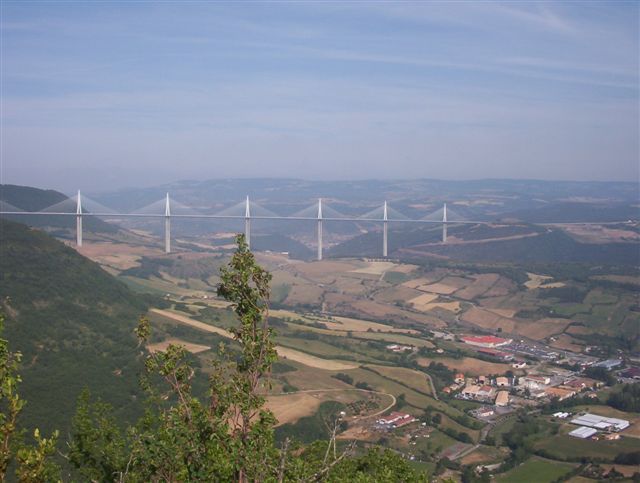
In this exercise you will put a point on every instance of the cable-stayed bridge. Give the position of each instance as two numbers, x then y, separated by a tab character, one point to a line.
81	206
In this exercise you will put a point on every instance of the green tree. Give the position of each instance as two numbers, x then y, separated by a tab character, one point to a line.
33	463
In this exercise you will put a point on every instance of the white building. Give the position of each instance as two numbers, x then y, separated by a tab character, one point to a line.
601	422
583	432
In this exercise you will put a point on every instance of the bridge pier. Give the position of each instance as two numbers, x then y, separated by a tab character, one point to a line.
384	231
319	229
167	227
444	224
79	221
247	224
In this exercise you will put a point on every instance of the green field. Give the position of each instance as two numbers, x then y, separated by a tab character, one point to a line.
564	447
535	470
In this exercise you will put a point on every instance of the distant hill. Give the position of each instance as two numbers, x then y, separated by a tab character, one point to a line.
72	321
27	198
577	212
408	236
510	244
548	247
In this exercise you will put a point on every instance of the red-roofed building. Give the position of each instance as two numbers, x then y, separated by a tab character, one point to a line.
396	420
485	341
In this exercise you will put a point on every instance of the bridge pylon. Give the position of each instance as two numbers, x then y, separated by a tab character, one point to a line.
247	224
167	226
444	224
385	227
79	221
319	229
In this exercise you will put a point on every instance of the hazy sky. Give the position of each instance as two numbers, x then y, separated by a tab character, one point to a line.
99	95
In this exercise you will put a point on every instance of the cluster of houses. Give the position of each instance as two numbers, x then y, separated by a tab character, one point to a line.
483	389
540	386
497	390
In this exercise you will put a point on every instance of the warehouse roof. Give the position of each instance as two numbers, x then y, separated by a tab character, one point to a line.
583	432
600	422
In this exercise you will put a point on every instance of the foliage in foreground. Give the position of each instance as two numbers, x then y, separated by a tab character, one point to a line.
227	436
31	462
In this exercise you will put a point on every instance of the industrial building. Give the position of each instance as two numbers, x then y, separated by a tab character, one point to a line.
583	432
601	422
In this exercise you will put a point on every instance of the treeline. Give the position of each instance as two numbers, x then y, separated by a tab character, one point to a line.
627	398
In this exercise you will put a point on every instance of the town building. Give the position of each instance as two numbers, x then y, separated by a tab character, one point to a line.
486	392
502	381
396	420
502	399
488	341
534	382
580	383
470	390
459	378
559	392
484	412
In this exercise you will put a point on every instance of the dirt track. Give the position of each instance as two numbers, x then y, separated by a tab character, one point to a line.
285	352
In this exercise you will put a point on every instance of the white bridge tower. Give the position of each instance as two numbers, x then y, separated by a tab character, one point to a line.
79	221
167	226
247	224
444	224
319	228
385	224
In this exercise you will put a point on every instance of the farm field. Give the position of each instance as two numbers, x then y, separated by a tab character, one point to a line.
414	379
484	455
535	470
284	352
394	338
289	408
468	365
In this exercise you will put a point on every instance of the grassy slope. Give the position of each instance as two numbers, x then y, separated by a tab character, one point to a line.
535	470
72	321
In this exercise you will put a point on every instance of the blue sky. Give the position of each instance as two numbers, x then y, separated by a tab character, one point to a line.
100	95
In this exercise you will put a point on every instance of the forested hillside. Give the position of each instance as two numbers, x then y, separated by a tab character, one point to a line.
72	321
